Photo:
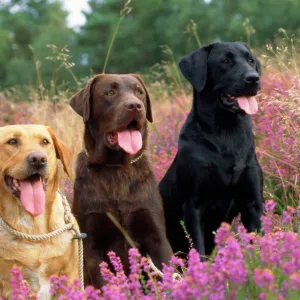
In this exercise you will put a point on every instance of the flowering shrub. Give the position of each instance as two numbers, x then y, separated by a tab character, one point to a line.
164	141
245	266
276	128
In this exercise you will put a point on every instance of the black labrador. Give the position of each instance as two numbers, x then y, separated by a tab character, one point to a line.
215	174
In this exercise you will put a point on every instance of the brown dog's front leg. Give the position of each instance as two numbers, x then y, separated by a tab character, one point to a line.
150	235
160	251
92	267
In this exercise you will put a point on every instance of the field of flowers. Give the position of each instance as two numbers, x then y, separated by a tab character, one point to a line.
244	266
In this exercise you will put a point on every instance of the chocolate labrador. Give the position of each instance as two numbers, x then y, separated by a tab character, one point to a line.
215	174
114	174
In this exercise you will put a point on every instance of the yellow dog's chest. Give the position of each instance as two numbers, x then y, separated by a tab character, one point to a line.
37	260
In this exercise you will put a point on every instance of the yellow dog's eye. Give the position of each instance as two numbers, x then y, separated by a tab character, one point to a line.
13	142
110	93
45	141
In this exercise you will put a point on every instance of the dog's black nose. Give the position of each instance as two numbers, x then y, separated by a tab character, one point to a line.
133	106
37	159
252	78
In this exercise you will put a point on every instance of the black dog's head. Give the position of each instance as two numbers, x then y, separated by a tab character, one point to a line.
230	70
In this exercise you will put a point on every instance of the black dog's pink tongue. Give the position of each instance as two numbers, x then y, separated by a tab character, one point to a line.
32	196
130	141
248	104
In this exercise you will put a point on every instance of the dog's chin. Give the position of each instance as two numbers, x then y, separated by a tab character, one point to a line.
14	184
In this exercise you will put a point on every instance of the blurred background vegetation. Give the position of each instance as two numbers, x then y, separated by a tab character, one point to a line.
28	28
43	61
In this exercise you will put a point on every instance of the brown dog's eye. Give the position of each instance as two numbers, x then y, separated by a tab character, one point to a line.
225	61
13	142
139	91
45	142
110	93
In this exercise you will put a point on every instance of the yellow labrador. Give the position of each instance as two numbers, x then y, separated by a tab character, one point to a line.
30	203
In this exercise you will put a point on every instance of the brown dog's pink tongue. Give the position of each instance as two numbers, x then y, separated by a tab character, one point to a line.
32	196
130	141
248	104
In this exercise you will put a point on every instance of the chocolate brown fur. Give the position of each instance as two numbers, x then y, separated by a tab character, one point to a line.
107	181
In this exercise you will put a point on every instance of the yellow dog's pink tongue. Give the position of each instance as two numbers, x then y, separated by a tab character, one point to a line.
248	104
32	196
130	141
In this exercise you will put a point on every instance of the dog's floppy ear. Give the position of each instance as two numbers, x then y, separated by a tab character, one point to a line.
80	102
149	111
62	151
194	67
257	62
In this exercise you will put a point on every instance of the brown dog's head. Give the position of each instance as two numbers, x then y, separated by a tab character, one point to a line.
28	163
115	109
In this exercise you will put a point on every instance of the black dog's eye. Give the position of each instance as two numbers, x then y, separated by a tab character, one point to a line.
251	60
110	93
13	142
45	142
139	91
225	61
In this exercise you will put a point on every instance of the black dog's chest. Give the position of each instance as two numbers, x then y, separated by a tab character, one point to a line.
230	175
227	159
233	164
219	171
221	176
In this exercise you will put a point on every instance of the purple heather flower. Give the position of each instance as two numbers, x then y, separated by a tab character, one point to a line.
270	205
91	293
262	296
135	272
222	234
20	287
298	209
287	218
264	278
58	284
114	292
247	240
105	271
295	281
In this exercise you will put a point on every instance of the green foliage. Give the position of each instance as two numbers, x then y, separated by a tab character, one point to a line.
160	22
35	23
149	25
180	25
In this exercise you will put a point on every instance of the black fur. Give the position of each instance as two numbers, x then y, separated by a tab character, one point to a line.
215	174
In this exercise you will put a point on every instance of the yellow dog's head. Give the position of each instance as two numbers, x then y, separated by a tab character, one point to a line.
28	163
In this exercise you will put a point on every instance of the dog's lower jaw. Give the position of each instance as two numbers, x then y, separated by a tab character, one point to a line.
100	154
229	105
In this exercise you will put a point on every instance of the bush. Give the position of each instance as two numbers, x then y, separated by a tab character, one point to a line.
245	266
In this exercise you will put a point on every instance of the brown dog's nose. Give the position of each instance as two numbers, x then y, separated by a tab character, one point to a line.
133	106
37	159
